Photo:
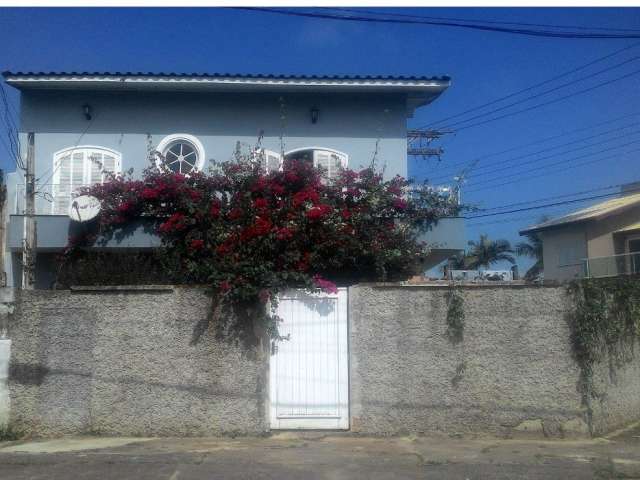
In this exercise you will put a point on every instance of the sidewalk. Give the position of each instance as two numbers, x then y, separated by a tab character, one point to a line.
320	456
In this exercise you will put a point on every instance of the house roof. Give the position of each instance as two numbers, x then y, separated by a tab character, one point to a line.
248	76
420	90
629	228
593	212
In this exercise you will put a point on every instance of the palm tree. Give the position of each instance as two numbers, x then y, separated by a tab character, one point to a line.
485	253
532	248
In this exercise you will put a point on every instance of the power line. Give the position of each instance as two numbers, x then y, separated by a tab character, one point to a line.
546	92
6	102
71	153
555	155
11	130
541	140
456	24
566	202
528	217
7	148
556	100
526	155
490	22
509	220
551	172
532	87
11	146
555	197
562	162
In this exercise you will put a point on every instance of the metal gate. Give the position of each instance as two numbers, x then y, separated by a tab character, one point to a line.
309	372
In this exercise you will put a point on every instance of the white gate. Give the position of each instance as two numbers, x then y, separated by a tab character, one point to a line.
310	372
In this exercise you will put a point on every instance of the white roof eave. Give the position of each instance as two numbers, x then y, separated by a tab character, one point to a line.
60	81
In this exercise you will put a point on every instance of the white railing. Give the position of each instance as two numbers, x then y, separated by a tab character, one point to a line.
612	265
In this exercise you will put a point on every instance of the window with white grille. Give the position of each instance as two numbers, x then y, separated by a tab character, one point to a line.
330	161
269	160
180	153
76	167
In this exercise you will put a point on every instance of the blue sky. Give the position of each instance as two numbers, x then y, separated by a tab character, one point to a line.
483	66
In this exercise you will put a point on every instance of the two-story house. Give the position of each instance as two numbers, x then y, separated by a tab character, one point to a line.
602	240
87	124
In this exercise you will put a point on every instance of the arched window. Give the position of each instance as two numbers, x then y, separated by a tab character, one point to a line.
75	167
331	161
180	153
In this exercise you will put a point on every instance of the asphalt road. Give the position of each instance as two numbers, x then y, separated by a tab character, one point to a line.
318	456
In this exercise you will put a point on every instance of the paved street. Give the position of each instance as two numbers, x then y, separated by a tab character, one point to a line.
318	456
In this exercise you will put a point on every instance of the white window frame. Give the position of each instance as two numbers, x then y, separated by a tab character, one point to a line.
86	151
164	144
628	240
344	158
263	153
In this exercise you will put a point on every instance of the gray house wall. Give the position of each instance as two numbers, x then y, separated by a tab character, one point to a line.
130	122
124	121
124	362
564	250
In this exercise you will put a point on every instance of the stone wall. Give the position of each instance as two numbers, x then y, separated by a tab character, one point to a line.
513	371
123	362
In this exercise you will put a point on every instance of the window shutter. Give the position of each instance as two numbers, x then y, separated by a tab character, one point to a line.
95	164
110	165
77	167
321	160
272	161
62	184
331	162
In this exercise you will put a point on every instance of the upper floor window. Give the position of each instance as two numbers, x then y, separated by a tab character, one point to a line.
331	161
180	153
75	167
269	160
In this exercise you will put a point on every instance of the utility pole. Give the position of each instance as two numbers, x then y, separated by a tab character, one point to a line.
462	177
419	142
30	241
3	233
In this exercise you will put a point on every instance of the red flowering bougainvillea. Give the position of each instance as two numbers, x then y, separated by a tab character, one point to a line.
250	234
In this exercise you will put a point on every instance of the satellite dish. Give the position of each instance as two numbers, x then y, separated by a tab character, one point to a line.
84	208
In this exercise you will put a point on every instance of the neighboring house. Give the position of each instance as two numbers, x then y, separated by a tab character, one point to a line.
601	240
86	125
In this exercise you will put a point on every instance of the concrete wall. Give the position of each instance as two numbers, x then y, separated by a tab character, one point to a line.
513	371
122	362
5	400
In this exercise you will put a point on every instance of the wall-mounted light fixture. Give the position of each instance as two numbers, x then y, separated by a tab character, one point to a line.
86	108
315	114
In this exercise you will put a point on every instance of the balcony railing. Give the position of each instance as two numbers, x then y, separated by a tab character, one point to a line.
54	199
613	265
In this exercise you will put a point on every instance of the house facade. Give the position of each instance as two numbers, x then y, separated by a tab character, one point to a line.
86	125
598	241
